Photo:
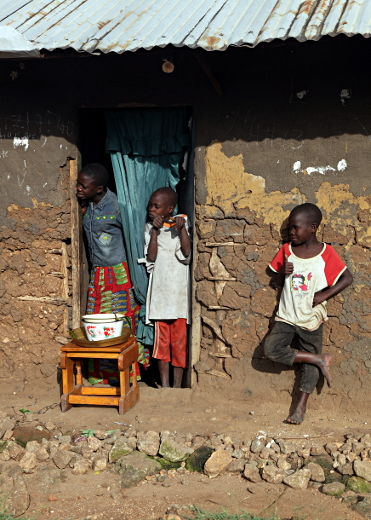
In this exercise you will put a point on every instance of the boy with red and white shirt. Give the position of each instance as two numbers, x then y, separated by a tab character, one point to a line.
311	272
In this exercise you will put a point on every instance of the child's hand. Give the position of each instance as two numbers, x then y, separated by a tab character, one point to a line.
180	223
287	268
318	298
83	205
158	222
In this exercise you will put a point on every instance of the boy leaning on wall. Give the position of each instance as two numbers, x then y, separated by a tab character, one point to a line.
311	272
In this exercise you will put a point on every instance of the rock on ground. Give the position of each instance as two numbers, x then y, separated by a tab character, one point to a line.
197	460
217	463
16	451
174	451
364	507
359	485
136	467
148	442
120	449
28	461
334	489
273	475
62	458
317	473
236	466
81	467
251	472
362	468
299	479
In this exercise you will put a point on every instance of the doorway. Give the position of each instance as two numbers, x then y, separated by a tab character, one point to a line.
93	135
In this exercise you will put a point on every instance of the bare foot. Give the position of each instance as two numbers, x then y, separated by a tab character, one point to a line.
297	417
324	365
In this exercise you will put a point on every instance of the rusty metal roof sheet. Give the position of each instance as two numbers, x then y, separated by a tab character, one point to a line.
128	25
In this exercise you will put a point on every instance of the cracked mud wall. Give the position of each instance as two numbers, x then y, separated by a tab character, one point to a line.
37	137
240	228
261	148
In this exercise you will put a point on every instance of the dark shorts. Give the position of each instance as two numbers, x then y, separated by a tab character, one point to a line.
277	348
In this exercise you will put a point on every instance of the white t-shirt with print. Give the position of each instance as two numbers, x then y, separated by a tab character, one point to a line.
309	276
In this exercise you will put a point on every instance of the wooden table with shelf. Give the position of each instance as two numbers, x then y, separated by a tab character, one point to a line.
125	396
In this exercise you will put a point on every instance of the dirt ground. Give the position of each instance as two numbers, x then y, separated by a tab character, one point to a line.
182	411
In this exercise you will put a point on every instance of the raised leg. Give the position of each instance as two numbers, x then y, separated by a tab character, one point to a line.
322	361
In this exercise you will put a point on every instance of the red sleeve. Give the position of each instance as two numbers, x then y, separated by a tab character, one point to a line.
280	258
334	266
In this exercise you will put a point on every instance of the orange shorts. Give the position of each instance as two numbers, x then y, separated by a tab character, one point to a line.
171	342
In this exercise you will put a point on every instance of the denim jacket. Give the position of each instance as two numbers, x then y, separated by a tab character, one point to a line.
103	227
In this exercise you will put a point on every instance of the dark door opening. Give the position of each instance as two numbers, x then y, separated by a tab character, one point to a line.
93	135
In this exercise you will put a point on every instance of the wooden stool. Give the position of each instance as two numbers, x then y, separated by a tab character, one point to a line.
125	396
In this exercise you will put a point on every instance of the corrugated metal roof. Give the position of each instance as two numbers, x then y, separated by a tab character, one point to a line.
128	25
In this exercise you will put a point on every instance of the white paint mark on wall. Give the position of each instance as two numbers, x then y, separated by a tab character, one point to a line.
302	93
28	189
21	177
297	166
20	141
320	169
346	93
342	165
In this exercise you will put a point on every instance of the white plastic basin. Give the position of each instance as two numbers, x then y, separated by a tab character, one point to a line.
103	330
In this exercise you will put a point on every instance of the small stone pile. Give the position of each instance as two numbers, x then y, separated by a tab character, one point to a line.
138	455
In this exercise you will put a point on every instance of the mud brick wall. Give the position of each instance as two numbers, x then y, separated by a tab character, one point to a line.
240	226
290	126
35	279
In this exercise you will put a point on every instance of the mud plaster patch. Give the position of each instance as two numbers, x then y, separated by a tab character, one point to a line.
226	181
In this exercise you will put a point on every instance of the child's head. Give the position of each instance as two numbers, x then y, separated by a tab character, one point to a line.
162	203
303	222
91	181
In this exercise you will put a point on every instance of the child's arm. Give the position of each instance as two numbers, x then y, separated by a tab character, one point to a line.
345	279
185	243
287	268
152	246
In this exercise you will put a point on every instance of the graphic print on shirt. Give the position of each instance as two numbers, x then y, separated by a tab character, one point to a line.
300	283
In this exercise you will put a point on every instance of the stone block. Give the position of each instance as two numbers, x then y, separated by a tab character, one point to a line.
217	463
120	449
299	479
251	473
317	473
273	475
196	461
148	442
334	489
174	451
135	467
362	469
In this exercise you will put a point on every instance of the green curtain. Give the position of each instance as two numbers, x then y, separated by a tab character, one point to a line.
146	147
